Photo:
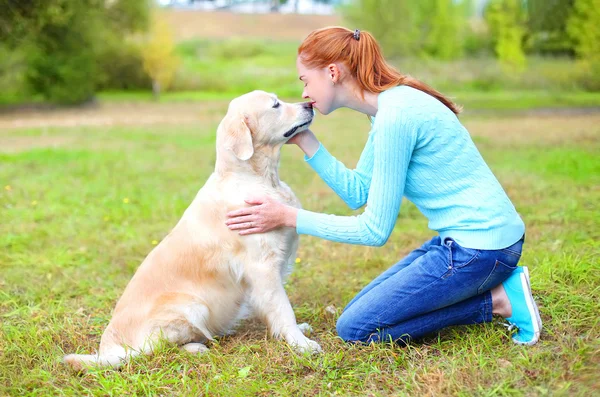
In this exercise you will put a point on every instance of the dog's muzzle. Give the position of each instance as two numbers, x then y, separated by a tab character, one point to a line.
294	129
310	112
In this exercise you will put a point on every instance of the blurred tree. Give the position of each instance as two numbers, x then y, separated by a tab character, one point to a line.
394	23
412	28
275	4
61	60
547	23
506	19
583	27
160	61
444	35
65	39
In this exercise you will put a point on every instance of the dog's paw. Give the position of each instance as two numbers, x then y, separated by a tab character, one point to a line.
194	348
305	328
308	346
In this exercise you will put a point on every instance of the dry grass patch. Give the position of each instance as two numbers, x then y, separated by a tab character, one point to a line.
189	24
545	130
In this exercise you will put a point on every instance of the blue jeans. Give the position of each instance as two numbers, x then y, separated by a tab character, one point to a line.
435	286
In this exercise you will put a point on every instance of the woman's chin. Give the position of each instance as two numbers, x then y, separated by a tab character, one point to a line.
322	111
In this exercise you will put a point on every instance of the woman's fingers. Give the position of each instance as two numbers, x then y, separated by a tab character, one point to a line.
254	200
240	219
242	226
251	231
241	212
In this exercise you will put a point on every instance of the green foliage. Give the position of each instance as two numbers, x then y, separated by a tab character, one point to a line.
506	19
65	40
478	42
159	59
408	28
583	27
122	67
62	60
444	33
394	23
547	21
237	48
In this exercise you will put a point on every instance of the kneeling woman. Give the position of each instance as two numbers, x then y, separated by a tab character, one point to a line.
417	149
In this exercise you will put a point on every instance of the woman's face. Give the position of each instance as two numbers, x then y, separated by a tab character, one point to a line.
318	87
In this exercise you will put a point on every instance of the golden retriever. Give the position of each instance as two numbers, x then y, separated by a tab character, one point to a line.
199	281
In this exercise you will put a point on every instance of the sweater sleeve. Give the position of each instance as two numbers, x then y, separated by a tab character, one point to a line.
351	185
394	140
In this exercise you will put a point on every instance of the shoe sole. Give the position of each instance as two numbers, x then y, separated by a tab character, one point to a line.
532	307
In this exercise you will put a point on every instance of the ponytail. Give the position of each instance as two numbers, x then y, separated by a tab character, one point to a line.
361	54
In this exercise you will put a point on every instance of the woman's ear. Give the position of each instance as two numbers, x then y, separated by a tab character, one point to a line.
334	73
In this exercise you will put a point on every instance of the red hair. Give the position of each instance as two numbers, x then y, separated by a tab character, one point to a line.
364	60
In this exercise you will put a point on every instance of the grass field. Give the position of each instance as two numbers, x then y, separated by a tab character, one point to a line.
82	203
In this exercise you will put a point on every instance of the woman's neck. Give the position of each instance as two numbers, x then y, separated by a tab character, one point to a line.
366	104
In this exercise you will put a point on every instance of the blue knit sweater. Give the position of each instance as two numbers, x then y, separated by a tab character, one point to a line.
416	148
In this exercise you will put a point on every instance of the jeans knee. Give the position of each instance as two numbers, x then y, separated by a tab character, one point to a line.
342	326
346	328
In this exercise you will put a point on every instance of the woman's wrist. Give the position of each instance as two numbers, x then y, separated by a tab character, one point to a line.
289	218
309	143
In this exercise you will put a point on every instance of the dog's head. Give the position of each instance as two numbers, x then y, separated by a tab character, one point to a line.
259	119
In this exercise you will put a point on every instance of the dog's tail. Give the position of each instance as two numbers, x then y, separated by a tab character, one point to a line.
81	362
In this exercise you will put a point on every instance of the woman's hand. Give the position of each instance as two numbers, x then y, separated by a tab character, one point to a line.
265	214
307	141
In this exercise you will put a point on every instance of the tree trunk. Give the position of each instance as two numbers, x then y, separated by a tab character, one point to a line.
156	90
274	5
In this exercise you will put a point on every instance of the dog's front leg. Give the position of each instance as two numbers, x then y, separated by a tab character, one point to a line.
270	302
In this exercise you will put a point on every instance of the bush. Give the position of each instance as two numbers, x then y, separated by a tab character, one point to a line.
547	27
583	26
506	20
62	63
158	55
12	66
237	49
588	74
66	43
122	68
412	28
478	41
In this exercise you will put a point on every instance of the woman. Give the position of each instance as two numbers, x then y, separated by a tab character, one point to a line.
417	148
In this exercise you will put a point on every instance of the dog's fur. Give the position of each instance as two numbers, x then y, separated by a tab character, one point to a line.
198	281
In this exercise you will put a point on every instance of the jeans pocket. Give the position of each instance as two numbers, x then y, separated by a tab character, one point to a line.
499	273
460	256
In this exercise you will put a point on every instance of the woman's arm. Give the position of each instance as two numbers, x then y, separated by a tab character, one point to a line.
352	186
393	143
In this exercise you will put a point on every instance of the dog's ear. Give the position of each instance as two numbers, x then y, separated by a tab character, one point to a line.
240	138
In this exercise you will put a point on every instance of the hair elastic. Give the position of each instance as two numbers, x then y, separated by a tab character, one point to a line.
357	34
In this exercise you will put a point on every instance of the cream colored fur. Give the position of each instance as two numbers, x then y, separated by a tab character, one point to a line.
198	281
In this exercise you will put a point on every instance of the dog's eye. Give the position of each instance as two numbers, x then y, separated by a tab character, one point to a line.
276	105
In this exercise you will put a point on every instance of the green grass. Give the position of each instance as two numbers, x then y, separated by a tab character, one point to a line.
69	243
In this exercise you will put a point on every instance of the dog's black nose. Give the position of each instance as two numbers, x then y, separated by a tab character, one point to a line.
307	105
